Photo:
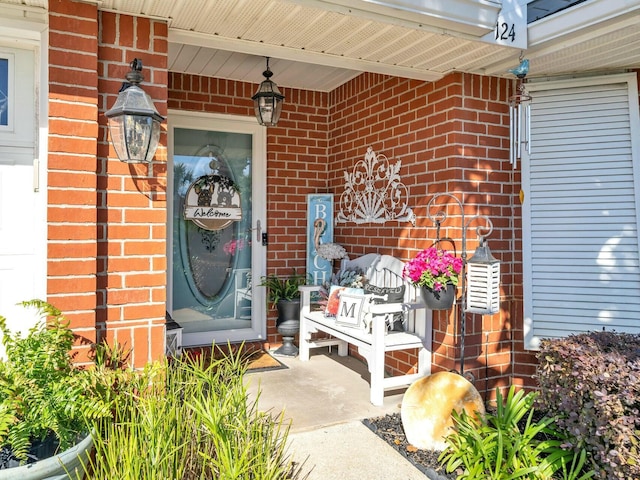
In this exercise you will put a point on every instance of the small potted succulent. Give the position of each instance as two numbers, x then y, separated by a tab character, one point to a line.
46	402
437	272
283	293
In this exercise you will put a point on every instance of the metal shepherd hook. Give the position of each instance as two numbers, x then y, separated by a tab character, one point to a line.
439	218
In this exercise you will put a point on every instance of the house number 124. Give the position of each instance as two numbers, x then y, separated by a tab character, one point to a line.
506	31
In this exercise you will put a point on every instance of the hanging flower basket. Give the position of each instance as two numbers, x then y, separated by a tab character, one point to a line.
439	300
436	272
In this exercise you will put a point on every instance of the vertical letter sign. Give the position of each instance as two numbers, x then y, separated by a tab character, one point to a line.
319	206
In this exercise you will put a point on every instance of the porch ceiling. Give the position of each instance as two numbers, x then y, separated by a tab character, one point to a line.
320	44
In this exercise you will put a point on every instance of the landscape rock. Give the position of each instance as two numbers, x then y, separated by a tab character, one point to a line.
427	406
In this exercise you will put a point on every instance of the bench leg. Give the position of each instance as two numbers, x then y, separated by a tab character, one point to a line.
376	362
305	336
377	379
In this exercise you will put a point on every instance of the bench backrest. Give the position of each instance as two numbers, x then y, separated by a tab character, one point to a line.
386	271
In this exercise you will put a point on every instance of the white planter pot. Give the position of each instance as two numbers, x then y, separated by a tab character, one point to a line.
72	460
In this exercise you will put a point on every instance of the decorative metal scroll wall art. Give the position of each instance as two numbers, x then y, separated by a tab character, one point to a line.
374	193
519	116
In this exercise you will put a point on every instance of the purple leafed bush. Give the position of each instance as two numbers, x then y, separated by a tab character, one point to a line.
591	383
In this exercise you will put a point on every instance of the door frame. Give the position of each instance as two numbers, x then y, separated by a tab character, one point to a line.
233	124
26	141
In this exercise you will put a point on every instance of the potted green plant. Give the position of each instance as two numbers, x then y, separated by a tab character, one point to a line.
283	293
46	403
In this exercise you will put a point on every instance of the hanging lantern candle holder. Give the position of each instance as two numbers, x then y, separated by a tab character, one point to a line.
483	281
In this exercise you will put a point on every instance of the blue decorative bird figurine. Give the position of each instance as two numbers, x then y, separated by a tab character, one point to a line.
521	70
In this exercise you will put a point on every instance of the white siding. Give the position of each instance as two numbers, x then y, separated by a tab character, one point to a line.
580	215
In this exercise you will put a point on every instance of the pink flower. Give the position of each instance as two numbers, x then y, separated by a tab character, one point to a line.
230	247
433	268
234	245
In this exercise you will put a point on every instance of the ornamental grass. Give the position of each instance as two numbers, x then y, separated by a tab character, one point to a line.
189	418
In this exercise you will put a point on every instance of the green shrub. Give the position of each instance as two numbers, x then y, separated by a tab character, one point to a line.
190	419
510	444
41	391
591	383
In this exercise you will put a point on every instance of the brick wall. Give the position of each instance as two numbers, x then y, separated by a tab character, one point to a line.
106	234
450	136
72	182
296	167
132	197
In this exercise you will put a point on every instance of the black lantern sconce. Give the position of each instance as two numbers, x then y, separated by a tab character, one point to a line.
134	122
268	101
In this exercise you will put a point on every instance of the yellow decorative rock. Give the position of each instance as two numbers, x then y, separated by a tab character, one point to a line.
427	405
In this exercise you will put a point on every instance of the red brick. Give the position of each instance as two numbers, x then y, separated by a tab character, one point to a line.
72	8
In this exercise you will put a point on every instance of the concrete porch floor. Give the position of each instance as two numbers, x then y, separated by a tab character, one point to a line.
326	400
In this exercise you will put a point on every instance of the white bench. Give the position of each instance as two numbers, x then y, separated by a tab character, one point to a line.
373	345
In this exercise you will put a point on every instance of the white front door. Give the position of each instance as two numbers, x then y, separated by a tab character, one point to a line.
216	206
22	202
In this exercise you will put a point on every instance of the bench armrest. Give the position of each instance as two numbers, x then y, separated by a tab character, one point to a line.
309	288
305	297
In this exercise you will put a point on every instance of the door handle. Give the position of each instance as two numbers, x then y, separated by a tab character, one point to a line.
258	230
260	235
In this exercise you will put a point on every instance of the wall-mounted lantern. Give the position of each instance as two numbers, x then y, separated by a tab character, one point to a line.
268	101
134	122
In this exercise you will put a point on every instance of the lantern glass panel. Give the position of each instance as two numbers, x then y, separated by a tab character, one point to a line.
116	130
268	103
138	131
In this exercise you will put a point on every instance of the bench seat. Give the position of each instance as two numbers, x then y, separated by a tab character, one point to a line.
360	338
373	344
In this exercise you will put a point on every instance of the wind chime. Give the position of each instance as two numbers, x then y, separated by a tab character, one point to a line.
519	116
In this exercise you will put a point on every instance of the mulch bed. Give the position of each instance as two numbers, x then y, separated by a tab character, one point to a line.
389	429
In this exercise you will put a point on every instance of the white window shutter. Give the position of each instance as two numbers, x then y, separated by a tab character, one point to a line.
580	213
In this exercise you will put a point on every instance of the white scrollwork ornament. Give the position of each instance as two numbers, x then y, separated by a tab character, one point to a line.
374	193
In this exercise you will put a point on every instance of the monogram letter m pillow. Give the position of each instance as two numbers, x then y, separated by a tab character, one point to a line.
350	310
